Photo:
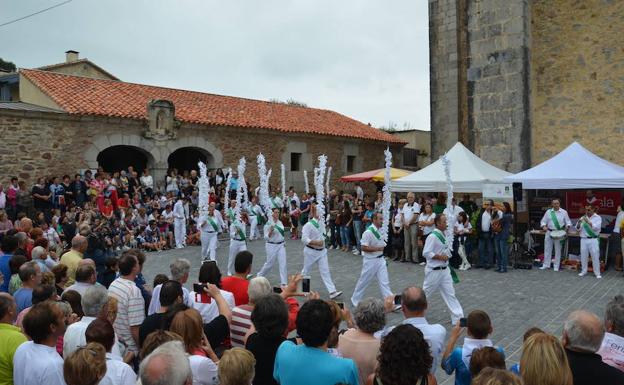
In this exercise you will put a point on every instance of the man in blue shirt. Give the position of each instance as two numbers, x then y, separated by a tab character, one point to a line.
311	364
9	245
30	274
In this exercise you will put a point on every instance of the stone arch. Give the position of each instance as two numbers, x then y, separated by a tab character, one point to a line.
199	143
186	158
104	142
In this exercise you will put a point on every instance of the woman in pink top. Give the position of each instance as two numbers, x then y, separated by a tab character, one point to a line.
359	343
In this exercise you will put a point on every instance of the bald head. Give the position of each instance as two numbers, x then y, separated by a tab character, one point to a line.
26	224
167	364
79	243
87	262
414	302
583	331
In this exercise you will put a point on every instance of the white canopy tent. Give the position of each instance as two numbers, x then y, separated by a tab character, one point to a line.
573	168
468	173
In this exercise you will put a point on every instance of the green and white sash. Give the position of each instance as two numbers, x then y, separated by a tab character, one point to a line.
240	232
231	215
373	230
589	230
278	228
439	235
553	217
212	223
316	224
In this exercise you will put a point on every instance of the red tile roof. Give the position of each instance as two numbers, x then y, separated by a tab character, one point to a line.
87	96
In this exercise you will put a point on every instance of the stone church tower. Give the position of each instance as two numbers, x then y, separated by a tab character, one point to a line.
517	81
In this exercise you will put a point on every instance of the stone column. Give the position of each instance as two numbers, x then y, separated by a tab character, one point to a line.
159	172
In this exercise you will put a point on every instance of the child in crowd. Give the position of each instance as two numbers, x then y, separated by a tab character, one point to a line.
294	219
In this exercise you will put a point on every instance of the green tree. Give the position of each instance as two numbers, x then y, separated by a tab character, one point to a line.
7	66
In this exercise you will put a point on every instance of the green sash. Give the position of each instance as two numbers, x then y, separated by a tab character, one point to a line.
278	228
439	235
274	204
373	230
212	223
240	232
231	215
259	216
316	224
589	230
554	219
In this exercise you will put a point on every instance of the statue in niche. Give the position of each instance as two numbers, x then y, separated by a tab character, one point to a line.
161	123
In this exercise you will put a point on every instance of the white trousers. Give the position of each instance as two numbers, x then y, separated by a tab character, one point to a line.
310	257
590	246
254	232
209	245
275	252
548	246
179	232
235	248
371	268
440	280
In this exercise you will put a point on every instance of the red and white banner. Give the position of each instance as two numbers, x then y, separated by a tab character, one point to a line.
606	201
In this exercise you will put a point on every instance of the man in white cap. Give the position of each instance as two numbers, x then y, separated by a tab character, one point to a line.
275	249
554	219
210	226
313	237
373	264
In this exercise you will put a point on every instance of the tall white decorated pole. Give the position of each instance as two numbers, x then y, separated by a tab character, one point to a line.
319	186
239	190
283	176
305	179
329	171
263	192
386	201
204	189
451	219
228	180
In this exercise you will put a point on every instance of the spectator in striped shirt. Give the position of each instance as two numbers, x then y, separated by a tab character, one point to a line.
241	315
131	306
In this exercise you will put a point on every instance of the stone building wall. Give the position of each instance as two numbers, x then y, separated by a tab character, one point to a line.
498	85
577	77
443	75
40	144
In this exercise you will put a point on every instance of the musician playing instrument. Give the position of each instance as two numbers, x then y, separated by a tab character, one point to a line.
589	229
555	219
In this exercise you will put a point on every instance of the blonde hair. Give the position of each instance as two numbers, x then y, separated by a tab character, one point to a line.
493	376
85	366
156	339
189	325
544	361
236	367
112	309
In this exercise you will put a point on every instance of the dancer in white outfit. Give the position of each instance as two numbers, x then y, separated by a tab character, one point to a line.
210	225
238	243
373	263
437	272
275	249
554	219
256	218
589	228
313	237
179	223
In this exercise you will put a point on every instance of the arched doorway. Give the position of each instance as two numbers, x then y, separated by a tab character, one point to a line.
116	158
186	159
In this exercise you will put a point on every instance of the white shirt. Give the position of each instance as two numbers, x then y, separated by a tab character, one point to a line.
178	210
618	222
596	223
433	334
370	240
147	181
562	218
455	211
426	218
208	228
409	212
234	230
486	220
75	337
130	310
397	219
80	287
154	305
277	202
359	193
205	371
463	229
117	372
294	198
37	364
309	232
210	311
52	236
254	210
276	236
433	246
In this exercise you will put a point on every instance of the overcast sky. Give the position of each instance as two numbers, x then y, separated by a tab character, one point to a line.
368	59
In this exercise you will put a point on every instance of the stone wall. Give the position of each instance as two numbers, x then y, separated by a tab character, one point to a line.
40	144
443	75
498	86
577	77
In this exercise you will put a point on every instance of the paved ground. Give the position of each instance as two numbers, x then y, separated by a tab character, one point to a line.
515	301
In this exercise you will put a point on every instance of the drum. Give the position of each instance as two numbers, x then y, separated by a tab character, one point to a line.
558	234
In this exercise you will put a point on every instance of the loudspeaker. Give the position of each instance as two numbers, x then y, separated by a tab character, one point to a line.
517	191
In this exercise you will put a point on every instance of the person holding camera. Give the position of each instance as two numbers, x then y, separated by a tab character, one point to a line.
373	263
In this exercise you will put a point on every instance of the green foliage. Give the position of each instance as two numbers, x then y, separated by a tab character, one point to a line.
7	66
